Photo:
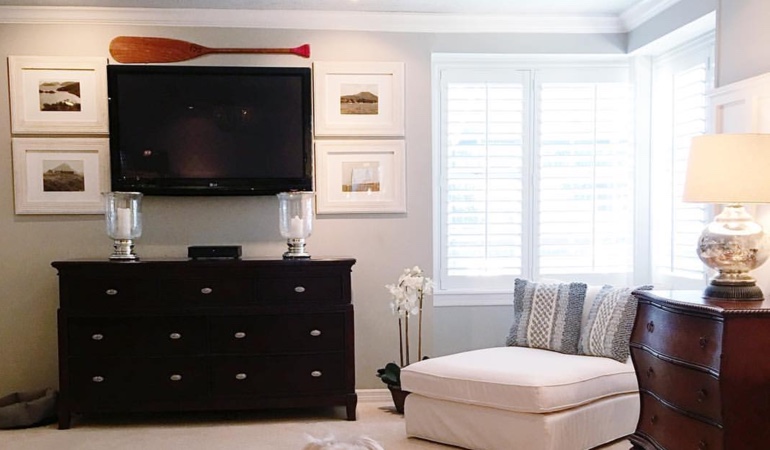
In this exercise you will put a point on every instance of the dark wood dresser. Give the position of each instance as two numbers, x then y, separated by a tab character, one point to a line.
185	335
703	368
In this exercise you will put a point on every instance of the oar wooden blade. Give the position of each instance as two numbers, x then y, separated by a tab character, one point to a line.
133	49
136	49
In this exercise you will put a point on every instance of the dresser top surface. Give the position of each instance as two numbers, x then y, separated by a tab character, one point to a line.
694	299
208	261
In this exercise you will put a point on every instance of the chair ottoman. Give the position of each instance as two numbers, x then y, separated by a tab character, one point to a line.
524	398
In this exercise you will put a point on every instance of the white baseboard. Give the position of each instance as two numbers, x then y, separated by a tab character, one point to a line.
373	395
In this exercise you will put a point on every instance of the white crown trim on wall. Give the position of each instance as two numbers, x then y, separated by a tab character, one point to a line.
315	20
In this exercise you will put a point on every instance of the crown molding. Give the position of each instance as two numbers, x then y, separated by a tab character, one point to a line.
315	20
644	11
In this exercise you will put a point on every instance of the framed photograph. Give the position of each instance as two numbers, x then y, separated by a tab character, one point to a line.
58	95
360	176
358	99
60	175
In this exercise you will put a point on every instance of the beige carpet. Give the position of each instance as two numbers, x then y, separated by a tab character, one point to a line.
261	430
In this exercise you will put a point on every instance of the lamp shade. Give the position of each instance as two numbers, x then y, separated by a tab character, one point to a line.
728	169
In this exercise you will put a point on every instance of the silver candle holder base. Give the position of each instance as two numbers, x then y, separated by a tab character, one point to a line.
123	250
296	249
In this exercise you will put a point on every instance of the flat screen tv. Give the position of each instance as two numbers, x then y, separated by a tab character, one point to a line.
202	130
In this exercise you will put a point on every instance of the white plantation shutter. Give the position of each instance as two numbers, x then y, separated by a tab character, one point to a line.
585	190
681	81
482	190
536	176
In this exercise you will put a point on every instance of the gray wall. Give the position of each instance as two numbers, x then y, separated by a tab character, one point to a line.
382	244
742	37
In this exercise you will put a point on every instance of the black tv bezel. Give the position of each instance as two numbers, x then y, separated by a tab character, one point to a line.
209	186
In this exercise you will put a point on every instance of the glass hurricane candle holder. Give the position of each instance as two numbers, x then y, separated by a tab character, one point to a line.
295	221
123	220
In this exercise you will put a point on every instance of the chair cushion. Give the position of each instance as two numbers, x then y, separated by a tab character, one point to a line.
607	328
519	379
547	315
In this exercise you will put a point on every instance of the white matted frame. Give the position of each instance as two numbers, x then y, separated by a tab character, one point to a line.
360	176
60	175
358	98
58	95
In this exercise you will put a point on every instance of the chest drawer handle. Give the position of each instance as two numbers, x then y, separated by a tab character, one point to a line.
702	445
111	292
97	337
701	395
207	291
315	333
175	336
240	335
240	376
650	372
299	289
97	379
316	374
654	419
651	326
703	341
175	377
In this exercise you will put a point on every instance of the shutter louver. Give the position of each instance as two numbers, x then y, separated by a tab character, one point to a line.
483	187
586	171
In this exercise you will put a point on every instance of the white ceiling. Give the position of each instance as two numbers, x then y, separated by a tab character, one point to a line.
536	16
560	7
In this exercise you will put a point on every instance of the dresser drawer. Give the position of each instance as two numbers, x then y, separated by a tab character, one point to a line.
102	381
675	431
279	374
689	389
301	288
694	339
137	336
109	294
278	333
205	290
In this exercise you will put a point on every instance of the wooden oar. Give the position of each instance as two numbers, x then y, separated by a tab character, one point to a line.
136	49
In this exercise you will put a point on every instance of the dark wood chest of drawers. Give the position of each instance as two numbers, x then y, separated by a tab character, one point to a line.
184	335
703	372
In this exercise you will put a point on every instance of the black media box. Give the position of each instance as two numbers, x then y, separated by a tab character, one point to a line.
214	251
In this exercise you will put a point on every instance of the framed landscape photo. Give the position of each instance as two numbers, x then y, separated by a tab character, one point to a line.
358	99
360	176
60	175
58	95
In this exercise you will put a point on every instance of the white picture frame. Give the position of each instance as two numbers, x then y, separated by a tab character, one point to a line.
58	95
60	175
360	176
358	98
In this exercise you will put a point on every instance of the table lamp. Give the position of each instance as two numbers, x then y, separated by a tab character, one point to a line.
731	169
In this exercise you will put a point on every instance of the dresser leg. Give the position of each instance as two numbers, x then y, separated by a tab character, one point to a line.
65	420
350	406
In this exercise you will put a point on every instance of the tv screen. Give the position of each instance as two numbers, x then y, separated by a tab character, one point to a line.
201	130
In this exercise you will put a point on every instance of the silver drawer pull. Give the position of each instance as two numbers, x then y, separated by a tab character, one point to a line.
315	333
97	379
240	335
206	291
315	373
240	376
703	341
299	289
111	292
175	336
650	326
175	377
97	337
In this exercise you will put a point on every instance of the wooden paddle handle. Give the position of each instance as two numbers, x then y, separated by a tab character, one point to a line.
136	49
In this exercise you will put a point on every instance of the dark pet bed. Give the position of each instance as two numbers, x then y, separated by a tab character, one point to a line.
27	409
